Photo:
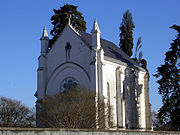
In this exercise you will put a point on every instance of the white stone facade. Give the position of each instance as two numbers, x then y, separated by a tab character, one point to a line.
85	59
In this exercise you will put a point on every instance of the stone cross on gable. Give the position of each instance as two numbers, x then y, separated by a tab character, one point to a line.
69	19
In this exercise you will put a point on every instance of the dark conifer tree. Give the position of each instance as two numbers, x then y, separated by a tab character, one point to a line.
126	35
169	86
61	17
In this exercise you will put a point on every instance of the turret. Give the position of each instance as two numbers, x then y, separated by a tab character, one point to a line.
96	33
44	42
42	68
96	64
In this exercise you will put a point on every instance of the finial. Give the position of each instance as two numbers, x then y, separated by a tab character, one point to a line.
44	34
95	27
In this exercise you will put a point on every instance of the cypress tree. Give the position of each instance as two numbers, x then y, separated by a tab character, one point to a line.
126	33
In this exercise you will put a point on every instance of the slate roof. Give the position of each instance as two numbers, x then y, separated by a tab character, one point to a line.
111	50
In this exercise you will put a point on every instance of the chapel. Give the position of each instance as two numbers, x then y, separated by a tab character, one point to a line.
80	58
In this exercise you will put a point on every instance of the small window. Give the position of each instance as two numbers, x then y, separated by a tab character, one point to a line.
68	48
123	92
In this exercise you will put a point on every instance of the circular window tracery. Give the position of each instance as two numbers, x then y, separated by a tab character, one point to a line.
68	83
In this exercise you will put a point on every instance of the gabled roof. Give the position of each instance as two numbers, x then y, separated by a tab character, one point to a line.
112	51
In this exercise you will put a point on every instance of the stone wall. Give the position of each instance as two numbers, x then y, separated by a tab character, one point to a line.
46	131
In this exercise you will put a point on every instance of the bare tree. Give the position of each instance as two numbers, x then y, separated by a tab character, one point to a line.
15	114
75	108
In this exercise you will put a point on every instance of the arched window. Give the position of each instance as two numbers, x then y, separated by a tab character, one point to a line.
108	93
68	83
